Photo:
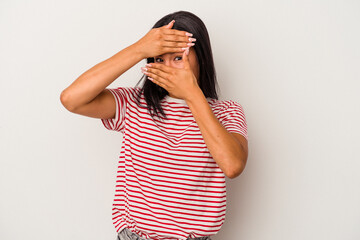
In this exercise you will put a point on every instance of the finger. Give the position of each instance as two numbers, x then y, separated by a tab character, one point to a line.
161	72
174	50
157	80
186	58
177	44
161	67
178	38
167	31
170	24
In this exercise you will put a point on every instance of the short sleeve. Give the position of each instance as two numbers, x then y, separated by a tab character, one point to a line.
121	96
232	117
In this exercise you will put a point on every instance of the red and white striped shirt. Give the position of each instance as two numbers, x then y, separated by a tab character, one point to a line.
168	185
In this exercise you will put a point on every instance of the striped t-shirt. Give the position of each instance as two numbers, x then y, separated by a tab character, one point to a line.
168	186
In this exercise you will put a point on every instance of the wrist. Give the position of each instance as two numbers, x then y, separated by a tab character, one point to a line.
136	48
194	96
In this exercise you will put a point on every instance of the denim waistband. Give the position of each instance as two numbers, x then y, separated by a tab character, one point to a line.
127	234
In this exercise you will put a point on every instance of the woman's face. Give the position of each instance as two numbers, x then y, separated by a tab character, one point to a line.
175	60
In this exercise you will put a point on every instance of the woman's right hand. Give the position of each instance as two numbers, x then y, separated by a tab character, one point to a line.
163	40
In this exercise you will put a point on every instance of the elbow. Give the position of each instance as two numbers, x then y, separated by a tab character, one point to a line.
234	174
66	102
236	170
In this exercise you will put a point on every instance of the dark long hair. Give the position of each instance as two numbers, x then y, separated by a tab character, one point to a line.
189	22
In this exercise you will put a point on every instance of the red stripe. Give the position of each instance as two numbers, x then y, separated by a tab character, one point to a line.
164	164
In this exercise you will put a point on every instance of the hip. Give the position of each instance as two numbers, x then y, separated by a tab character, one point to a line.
126	234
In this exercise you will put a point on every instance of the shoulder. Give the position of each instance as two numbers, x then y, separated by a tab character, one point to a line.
225	105
127	92
127	89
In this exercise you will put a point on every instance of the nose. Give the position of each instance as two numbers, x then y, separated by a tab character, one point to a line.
167	63
171	63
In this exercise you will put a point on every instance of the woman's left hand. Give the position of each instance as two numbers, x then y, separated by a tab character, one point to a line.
180	82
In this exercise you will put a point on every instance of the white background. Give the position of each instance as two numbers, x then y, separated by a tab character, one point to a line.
293	65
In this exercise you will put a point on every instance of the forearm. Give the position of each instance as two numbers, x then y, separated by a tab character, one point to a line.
223	147
89	84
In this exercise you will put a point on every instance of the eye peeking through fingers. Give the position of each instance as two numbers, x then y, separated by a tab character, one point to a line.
159	59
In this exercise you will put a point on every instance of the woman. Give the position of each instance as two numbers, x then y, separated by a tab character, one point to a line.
179	140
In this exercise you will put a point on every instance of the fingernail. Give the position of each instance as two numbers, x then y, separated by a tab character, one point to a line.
148	65
192	39
191	44
189	34
144	69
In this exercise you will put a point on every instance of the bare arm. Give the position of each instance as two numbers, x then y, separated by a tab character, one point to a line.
87	95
